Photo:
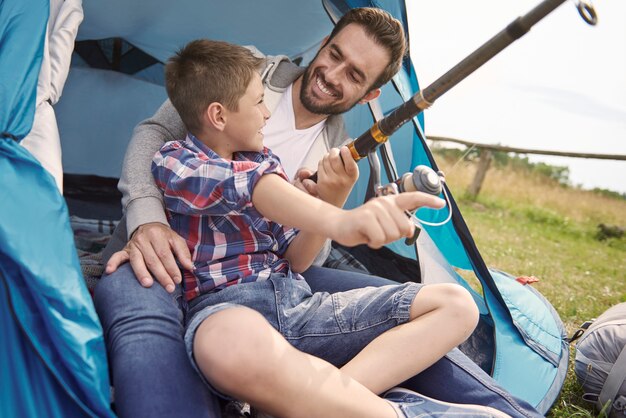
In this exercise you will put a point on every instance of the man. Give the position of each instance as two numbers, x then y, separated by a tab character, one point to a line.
143	326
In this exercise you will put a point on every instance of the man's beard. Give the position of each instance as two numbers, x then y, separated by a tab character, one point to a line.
320	109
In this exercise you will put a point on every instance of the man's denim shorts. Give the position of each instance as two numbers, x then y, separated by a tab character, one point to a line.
334	327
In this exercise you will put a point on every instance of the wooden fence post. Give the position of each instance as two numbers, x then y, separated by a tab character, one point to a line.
483	165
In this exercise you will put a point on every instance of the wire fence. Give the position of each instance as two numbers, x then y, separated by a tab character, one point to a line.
486	155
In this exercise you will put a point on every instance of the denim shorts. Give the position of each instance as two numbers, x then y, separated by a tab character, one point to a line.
334	327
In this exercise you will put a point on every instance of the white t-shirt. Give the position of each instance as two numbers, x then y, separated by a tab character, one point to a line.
281	136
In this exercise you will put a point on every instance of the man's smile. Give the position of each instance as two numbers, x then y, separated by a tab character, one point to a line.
324	88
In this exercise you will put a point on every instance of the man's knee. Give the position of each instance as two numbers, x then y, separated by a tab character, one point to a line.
123	304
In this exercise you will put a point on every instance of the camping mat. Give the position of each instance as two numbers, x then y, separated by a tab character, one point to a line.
90	238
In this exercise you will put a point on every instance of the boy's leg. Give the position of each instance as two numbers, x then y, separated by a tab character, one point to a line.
441	316
453	378
150	369
242	355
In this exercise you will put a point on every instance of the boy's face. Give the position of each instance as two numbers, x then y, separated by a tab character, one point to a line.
342	72
244	125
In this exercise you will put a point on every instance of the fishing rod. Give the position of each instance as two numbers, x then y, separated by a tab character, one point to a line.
380	132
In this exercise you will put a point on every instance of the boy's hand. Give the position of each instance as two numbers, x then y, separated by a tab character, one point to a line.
302	182
381	220
337	173
154	248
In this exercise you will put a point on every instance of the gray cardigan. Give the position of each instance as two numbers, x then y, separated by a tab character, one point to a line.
141	198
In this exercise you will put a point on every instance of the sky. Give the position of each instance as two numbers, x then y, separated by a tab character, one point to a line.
560	87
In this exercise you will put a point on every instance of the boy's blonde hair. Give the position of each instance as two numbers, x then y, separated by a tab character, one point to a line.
204	72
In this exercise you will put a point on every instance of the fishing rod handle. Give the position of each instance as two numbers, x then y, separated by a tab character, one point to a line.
380	132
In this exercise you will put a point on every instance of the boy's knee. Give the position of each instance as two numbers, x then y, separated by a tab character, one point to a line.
461	305
231	346
451	300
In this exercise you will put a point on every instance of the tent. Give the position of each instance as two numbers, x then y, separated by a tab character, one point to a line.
116	80
53	360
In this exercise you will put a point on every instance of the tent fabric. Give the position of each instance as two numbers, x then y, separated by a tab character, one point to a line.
101	122
155	27
535	339
43	141
65	365
24	24
53	359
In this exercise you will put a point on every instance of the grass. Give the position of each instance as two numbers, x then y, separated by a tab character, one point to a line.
527	224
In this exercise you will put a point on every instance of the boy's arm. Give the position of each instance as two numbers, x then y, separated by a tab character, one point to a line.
337	172
379	221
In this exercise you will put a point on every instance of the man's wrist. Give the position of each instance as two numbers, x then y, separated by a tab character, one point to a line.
144	211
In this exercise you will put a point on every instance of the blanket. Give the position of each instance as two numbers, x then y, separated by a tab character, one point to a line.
90	238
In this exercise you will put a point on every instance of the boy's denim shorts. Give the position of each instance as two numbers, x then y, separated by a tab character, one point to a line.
334	327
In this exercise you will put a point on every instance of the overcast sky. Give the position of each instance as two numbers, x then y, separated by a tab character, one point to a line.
560	87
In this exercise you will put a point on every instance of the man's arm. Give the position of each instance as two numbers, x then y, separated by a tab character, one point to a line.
379	221
141	198
152	245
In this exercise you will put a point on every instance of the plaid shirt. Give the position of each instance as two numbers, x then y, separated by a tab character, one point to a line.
208	201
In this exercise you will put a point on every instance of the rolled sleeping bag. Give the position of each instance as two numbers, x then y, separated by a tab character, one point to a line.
600	364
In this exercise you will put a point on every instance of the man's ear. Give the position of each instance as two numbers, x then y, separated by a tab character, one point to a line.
370	96
215	116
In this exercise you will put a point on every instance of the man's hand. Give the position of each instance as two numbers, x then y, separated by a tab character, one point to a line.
154	248
337	173
380	220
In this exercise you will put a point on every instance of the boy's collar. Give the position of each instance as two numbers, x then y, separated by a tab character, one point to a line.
195	142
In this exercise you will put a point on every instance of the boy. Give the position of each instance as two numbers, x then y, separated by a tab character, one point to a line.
229	198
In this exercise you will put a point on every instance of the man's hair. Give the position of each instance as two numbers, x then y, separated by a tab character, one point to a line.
204	72
384	29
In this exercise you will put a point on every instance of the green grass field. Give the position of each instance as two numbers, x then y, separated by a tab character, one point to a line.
526	223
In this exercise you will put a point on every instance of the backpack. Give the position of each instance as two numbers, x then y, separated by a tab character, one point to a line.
600	364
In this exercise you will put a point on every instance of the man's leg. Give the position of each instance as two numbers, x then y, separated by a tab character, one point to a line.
454	378
151	372
323	279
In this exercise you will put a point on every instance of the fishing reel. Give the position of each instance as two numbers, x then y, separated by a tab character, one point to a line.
422	179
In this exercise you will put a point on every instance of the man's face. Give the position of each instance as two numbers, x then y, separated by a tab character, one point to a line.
342	72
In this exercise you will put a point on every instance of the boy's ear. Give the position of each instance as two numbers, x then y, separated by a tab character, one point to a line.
215	116
370	96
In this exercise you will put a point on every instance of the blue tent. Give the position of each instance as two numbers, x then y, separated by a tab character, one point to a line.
116	81
53	360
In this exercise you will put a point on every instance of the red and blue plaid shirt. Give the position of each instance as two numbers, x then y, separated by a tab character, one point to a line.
208	201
